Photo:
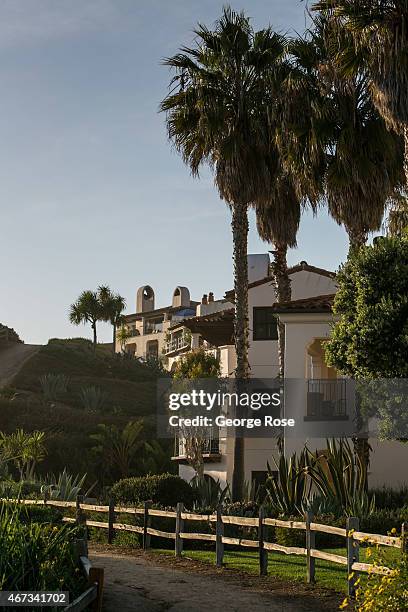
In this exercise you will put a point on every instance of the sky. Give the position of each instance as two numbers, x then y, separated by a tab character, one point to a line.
91	192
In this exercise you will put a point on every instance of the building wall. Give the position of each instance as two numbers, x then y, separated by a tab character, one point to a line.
388	459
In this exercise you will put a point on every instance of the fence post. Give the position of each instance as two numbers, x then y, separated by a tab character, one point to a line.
111	520
353	554
80	515
404	539
96	576
46	496
219	532
310	544
146	525
263	553
178	543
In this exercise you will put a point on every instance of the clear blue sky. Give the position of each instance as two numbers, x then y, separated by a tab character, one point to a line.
90	190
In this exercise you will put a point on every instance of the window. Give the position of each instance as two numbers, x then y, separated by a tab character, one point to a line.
265	324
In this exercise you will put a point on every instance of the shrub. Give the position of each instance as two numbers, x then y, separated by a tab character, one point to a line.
35	556
386	497
53	386
208	493
384	520
92	398
42	514
384	593
23	489
297	537
65	486
197	364
240	508
163	489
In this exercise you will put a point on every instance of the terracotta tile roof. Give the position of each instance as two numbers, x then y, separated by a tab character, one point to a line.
318	303
303	266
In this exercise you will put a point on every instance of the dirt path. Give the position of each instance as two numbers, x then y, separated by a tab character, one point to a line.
12	358
153	583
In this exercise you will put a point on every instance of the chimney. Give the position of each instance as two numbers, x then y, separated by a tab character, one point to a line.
210	297
204	299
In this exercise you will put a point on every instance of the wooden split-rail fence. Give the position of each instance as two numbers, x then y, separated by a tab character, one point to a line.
353	536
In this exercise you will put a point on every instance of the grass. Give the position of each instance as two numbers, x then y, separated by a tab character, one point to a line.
285	567
128	386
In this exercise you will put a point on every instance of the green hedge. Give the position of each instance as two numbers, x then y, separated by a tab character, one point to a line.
164	489
382	521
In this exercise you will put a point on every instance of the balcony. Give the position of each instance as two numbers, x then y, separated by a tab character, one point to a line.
177	344
211	449
326	400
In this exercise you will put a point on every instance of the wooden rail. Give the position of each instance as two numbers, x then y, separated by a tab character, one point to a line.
351	533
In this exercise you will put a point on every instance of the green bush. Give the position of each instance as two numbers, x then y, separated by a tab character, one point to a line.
24	489
386	497
42	515
297	537
163	489
382	521
35	514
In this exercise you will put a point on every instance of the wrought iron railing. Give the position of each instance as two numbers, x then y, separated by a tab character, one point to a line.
326	398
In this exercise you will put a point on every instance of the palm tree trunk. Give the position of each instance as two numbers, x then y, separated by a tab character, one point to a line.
361	444
114	338
240	246
406	156
283	294
357	239
95	340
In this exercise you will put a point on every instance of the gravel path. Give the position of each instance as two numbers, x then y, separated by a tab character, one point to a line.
153	583
12	358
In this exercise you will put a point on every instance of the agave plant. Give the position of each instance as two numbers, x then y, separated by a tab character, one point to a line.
288	493
65	486
340	475
320	505
53	386
92	398
209	492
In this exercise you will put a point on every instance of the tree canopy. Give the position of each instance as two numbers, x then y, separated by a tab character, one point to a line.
370	338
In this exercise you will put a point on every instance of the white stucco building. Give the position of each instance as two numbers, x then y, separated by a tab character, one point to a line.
170	332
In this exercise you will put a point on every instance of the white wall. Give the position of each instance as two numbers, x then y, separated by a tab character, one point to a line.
307	284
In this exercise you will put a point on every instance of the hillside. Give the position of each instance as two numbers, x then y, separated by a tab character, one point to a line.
128	387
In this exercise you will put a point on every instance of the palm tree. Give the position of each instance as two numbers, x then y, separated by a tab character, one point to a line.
123	334
215	114
380	40
118	448
363	160
87	309
277	223
113	306
24	449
